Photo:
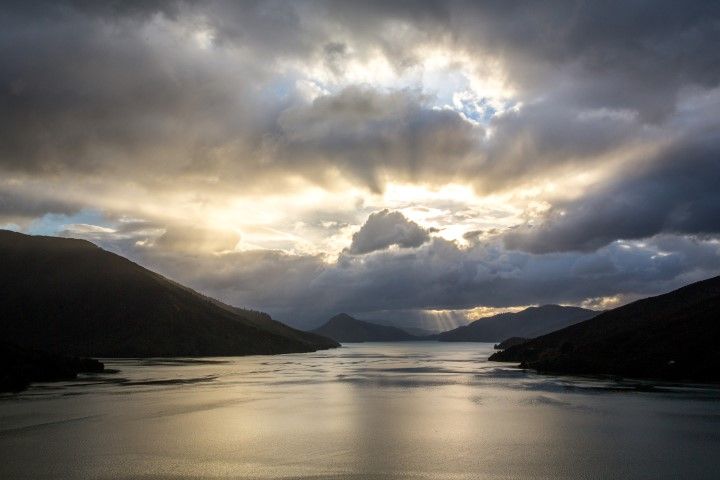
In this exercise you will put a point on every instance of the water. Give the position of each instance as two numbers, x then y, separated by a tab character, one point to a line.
370	411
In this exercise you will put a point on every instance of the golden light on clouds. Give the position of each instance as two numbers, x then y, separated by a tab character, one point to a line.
445	319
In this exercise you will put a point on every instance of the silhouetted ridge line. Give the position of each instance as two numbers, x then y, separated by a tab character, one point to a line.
346	329
71	297
528	323
670	336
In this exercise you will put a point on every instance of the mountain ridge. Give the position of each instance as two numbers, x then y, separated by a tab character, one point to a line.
672	336
69	296
346	329
528	323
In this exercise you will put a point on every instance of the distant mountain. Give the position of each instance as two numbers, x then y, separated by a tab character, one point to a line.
528	323
673	336
420	333
344	328
68	296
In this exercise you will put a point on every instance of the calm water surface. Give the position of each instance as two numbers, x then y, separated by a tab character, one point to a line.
400	410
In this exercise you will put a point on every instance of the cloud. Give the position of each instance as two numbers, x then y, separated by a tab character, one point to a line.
19	204
197	239
122	92
674	193
385	229
128	92
438	275
601	59
367	135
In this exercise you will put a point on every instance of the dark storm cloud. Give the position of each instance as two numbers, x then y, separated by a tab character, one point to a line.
605	54
437	275
104	89
613	50
366	134
548	135
17	205
304	290
677	192
441	276
112	87
384	229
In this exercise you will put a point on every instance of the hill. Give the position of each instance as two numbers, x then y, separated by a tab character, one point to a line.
68	296
344	328
671	336
528	323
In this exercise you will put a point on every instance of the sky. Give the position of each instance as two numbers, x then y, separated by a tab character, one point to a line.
419	163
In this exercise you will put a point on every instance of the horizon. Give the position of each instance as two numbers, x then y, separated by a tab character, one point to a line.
428	164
